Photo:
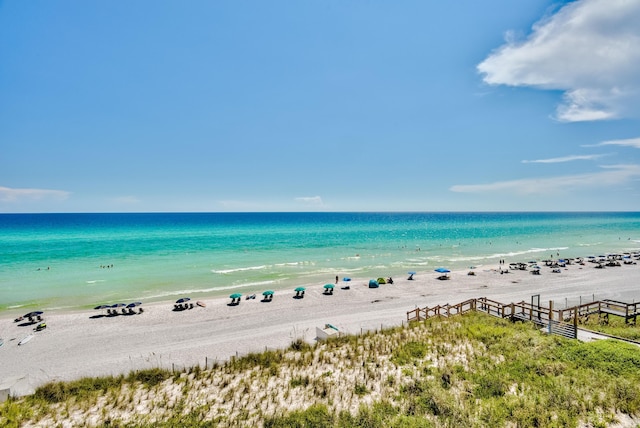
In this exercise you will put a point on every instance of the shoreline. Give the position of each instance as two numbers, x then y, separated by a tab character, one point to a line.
76	344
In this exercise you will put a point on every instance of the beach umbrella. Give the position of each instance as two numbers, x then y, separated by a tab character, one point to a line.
442	270
134	304
33	314
328	286
236	296
411	273
299	289
346	279
267	293
102	307
183	300
118	305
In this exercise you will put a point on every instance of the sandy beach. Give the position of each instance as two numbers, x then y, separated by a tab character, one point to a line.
78	344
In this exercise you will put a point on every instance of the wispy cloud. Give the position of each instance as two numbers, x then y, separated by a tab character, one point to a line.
314	201
632	142
590	49
612	175
20	195
565	159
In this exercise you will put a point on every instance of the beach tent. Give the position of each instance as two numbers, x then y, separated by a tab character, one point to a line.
373	283
381	281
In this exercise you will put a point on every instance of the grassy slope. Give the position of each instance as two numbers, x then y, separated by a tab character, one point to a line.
471	370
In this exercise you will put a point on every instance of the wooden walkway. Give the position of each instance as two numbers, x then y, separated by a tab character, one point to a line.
563	322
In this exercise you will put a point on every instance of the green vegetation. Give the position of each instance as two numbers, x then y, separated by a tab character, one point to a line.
613	326
472	370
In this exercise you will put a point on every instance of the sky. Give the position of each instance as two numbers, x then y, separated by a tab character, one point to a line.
319	105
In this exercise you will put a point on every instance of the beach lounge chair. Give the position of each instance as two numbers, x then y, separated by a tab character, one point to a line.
140	310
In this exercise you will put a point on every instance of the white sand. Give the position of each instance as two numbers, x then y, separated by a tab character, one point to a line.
75	345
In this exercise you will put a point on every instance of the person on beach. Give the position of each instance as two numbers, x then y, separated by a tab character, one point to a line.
336	279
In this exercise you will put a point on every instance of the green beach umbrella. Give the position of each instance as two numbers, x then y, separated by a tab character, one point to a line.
299	289
236	296
328	286
267	293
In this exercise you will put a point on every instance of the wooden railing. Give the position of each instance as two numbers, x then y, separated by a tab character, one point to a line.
554	320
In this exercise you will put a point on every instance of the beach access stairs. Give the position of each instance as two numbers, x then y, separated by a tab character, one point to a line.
562	322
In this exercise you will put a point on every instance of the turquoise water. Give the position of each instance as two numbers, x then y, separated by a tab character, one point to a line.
54	261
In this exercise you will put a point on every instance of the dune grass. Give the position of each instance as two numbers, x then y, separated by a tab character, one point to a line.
472	370
613	326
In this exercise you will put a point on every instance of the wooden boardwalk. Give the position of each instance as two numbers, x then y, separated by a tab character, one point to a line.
563	322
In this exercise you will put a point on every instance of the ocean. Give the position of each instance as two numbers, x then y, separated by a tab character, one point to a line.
74	261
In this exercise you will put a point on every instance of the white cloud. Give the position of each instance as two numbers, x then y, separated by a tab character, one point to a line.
315	201
613	175
590	49
632	142
19	195
564	159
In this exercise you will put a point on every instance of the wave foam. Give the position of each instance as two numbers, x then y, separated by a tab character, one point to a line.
225	271
209	290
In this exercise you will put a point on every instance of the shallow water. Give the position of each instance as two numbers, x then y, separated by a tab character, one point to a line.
79	260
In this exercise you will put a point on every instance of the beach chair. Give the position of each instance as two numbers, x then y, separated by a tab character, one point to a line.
140	310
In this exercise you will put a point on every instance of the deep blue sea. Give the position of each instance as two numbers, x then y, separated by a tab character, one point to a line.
58	261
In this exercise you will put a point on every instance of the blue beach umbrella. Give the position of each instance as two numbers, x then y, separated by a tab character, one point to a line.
183	300
134	304
346	279
442	270
411	273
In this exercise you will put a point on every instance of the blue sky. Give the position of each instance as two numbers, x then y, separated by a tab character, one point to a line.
319	105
